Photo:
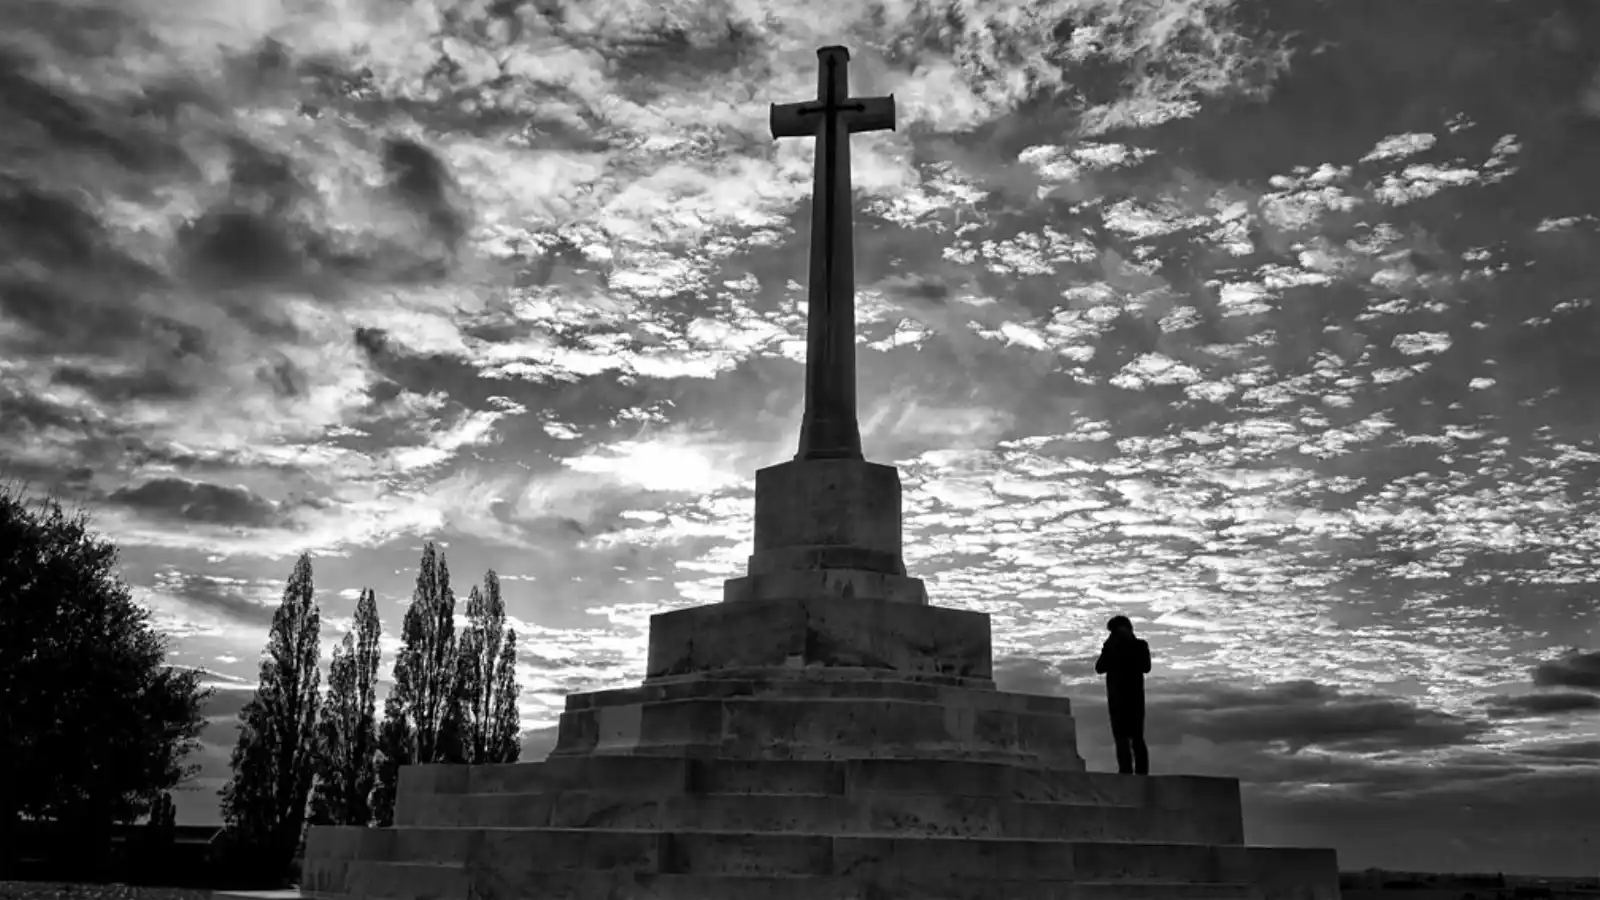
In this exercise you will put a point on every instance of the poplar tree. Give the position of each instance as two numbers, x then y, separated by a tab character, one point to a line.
486	679
274	761
396	748
347	734
423	713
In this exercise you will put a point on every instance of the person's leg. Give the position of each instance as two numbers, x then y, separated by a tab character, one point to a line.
1141	753
1120	738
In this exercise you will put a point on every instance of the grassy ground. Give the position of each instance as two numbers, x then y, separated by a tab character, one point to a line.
52	890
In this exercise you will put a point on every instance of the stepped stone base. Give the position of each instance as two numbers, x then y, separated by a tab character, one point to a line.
626	827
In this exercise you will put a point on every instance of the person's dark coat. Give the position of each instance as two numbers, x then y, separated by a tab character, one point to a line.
1124	660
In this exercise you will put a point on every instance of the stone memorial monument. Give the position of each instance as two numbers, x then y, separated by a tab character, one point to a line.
823	733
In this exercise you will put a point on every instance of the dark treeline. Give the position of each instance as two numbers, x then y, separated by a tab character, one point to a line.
97	728
305	757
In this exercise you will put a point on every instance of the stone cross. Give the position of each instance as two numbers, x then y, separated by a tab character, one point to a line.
829	429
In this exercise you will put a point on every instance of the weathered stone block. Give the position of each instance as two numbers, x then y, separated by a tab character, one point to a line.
827	513
401	882
454	883
826	677
844	584
518	856
781	728
890	814
649	775
1189	795
813	684
820	631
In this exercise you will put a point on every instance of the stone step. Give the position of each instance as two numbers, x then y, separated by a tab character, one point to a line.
517	854
866	813
402	881
664	775
369	880
825	684
762	726
807	674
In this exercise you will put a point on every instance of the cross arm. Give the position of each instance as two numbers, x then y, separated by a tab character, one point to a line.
857	114
788	120
872	114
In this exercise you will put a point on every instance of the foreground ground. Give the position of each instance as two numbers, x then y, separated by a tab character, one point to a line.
53	890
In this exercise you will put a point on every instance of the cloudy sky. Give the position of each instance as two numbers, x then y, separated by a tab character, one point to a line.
1272	325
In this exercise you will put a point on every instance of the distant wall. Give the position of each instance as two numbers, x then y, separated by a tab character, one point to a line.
1417	894
1461	893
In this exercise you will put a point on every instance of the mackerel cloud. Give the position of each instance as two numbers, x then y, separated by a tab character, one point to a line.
1269	325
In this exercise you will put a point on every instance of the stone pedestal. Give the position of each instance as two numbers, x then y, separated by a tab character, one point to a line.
827	514
827	527
822	734
820	629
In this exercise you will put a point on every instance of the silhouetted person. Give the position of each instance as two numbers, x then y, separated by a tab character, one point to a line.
1124	660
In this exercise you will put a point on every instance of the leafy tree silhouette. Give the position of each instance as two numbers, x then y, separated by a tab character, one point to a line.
93	726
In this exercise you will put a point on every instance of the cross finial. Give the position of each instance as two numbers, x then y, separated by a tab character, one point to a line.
829	428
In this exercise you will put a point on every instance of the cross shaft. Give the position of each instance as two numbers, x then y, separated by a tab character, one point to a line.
829	429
